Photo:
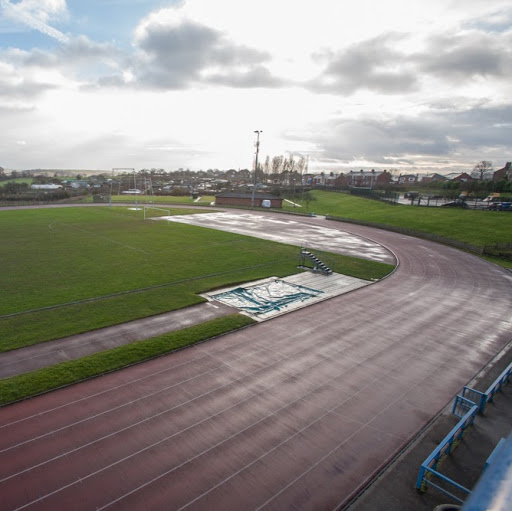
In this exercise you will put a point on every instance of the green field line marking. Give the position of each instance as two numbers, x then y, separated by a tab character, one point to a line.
141	290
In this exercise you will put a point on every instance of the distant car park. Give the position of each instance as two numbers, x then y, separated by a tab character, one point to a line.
455	204
501	206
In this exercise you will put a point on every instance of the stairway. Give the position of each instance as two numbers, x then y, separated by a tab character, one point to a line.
318	265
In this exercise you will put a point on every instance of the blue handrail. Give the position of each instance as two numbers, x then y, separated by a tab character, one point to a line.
466	405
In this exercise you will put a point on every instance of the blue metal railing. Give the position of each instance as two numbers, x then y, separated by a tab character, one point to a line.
482	398
475	396
429	466
503	378
466	405
462	405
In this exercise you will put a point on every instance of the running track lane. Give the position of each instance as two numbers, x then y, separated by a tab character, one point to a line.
294	413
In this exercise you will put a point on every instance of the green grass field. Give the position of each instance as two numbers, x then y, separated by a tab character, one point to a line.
203	200
71	270
19	180
475	227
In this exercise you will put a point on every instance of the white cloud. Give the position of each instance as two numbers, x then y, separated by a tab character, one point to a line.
37	14
403	81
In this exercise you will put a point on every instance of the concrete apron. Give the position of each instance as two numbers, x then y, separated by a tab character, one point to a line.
328	286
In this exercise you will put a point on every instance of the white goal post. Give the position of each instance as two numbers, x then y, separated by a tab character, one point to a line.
148	210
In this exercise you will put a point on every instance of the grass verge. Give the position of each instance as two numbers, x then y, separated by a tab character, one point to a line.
474	227
30	384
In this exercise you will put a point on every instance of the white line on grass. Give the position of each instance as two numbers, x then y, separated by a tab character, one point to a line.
51	227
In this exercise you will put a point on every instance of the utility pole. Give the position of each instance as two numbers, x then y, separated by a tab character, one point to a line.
255	164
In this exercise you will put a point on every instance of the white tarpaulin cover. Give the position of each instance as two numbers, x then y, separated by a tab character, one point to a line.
266	297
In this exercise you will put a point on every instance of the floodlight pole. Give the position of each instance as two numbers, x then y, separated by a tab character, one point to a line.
255	165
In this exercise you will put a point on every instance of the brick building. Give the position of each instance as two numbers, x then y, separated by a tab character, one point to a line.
504	173
245	199
368	179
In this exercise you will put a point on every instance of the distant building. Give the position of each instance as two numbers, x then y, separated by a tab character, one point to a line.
245	199
78	183
407	179
463	177
50	187
504	173
433	177
324	179
368	179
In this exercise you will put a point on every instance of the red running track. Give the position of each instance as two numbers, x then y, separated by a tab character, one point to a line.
295	413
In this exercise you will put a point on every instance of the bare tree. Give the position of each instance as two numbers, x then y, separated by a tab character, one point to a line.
266	168
480	169
277	162
287	169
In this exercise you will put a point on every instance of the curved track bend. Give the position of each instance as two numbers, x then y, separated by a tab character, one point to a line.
293	413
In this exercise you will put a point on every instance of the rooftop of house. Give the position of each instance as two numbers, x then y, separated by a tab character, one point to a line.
247	195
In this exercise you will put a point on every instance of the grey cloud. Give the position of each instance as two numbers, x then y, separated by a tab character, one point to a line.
373	65
440	134
176	56
13	86
259	76
466	56
376	64
79	58
74	55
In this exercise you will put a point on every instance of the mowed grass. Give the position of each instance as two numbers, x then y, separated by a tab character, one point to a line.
155	200
71	270
475	227
69	372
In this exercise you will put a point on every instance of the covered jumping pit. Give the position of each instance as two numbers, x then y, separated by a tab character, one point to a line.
271	297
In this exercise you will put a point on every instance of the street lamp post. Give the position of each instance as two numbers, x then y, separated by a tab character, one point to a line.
255	165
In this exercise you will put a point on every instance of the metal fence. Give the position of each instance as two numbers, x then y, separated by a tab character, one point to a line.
466	405
428	468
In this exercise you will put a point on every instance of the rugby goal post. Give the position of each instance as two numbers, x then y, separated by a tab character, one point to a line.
154	212
125	170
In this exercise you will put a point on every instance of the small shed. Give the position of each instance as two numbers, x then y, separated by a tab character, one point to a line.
246	199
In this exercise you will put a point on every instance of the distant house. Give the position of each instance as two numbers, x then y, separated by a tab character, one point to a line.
246	199
504	173
407	179
463	177
368	179
341	181
307	179
78	183
433	177
324	179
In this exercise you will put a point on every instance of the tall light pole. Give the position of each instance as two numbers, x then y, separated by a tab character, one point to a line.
255	164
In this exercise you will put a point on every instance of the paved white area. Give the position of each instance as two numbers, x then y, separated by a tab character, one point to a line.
293	232
329	285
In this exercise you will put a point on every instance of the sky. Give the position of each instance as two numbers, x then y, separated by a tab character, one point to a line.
416	86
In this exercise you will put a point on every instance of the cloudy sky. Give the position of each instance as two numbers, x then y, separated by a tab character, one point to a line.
413	85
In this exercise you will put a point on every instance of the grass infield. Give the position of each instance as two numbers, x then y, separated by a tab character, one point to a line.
71	270
30	384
